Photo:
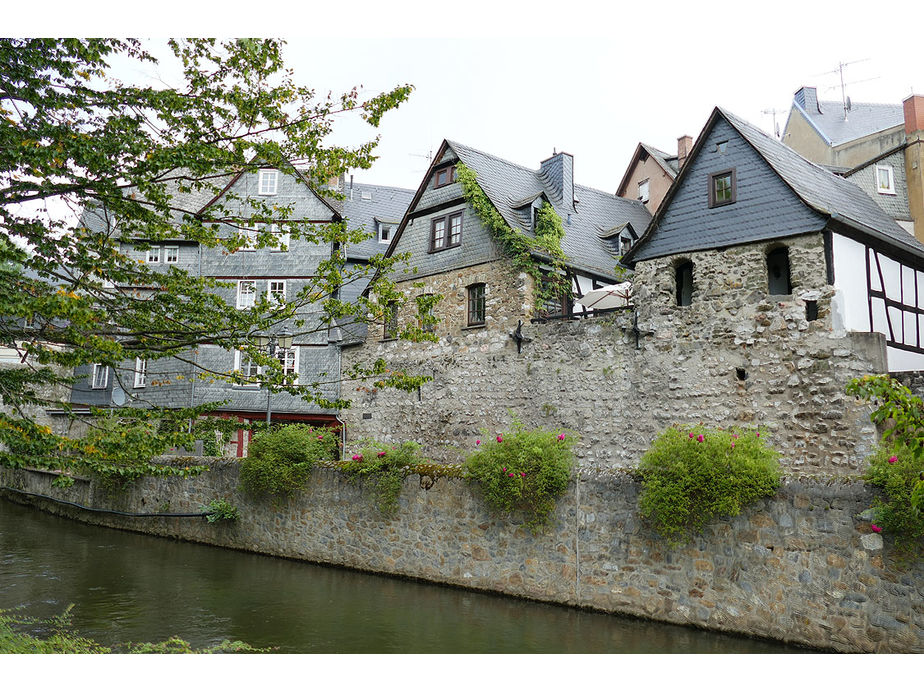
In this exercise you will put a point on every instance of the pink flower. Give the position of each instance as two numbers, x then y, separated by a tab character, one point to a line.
500	439
876	528
700	438
733	446
561	436
382	454
758	434
503	469
357	458
523	474
691	434
320	437
478	442
735	436
893	459
510	474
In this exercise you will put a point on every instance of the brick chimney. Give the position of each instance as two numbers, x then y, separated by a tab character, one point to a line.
557	175
913	108
684	145
807	98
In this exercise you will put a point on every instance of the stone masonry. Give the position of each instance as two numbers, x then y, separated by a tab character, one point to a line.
801	567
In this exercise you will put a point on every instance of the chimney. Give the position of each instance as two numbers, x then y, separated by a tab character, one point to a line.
807	98
557	175
914	114
684	145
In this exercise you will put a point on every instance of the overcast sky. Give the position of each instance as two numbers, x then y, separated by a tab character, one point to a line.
520	80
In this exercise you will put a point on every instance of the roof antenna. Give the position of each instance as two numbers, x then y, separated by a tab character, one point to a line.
773	112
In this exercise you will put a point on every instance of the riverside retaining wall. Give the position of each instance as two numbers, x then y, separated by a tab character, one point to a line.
801	567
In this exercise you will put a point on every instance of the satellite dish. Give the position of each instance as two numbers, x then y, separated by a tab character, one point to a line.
848	103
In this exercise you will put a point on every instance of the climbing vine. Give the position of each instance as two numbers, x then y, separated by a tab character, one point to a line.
518	246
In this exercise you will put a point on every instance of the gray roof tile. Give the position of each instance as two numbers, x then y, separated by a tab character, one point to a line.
862	119
384	204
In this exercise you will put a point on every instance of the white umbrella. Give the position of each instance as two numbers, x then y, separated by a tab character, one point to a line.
612	296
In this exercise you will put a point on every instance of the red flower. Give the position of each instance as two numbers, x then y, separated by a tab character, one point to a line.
876	528
382	454
700	438
691	434
500	439
893	459
561	436
357	458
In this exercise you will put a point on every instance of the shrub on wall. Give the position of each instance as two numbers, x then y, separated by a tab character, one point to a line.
385	468
691	475
280	461
523	471
898	466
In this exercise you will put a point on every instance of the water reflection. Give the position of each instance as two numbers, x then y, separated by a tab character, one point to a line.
130	587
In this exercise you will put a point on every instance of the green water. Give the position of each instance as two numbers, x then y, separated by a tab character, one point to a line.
131	587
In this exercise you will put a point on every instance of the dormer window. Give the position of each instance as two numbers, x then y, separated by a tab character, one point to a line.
444	176
385	232
885	180
643	195
269	179
722	188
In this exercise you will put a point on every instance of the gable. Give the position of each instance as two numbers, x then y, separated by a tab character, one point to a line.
764	208
291	192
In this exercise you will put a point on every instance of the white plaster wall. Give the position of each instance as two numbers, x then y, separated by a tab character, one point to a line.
850	282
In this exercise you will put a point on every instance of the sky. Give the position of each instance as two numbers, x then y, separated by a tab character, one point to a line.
523	80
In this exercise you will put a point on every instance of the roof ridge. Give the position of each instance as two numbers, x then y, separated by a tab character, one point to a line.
454	144
387	187
861	103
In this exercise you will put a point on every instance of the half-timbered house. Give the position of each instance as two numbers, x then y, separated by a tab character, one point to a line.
818	241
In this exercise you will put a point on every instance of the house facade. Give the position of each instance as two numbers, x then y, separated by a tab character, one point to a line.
820	243
651	172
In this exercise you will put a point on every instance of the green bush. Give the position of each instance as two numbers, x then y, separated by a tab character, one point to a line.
221	510
523	471
691	475
385	466
280	461
900	475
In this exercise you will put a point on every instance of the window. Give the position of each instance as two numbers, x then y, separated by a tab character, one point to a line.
684	278
247	367
643	190
246	293
391	321
154	254
721	147
282	238
425	318
885	180
722	188
476	304
141	372
778	272
446	232
385	232
171	254
100	377
288	361
444	176
28	323
276	292
268	181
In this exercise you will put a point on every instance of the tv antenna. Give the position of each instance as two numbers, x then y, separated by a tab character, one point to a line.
773	112
845	100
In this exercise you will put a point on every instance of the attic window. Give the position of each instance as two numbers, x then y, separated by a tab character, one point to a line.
269	179
385	232
885	180
643	190
722	188
366	194
444	176
721	147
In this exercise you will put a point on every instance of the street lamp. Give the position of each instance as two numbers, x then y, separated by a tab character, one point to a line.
271	343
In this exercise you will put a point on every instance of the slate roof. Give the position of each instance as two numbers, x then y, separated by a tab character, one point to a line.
829	194
385	204
667	161
862	119
511	187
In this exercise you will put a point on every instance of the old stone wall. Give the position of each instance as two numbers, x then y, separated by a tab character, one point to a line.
736	356
800	567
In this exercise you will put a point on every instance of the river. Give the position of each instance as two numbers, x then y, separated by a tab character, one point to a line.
132	587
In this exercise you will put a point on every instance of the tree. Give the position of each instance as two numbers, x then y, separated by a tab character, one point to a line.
86	159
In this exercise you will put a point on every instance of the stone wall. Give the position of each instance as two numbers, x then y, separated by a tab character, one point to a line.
736	356
800	567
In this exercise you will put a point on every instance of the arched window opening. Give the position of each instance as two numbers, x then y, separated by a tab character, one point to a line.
684	277
778	272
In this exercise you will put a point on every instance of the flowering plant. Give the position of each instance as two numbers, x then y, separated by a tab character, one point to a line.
522	471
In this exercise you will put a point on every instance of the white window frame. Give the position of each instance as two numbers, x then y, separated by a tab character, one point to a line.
153	255
253	370
96	382
268	181
242	300
888	170
382	227
271	295
283	237
171	250
292	352
644	190
141	373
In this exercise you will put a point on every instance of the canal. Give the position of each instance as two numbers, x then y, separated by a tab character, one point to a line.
132	587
